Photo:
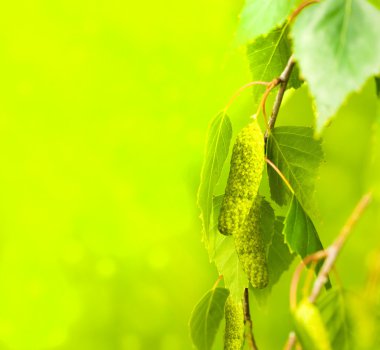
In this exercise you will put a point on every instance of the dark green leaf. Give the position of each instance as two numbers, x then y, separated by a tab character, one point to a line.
259	17
298	155
267	223
332	307
268	56
377	82
279	260
374	167
337	46
206	316
217	147
300	232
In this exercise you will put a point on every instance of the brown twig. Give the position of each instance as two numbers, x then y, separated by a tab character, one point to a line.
217	282
241	89
248	321
334	249
297	11
297	274
331	254
283	81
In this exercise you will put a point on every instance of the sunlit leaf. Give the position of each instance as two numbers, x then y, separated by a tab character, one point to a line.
206	317
337	46
226	259
268	56
259	17
217	147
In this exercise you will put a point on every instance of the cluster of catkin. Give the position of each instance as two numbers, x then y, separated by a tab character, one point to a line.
240	217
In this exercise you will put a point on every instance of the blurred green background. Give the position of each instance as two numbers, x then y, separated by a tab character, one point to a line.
104	107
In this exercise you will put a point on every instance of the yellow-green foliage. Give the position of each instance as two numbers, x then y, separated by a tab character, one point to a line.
247	163
234	332
310	328
250	247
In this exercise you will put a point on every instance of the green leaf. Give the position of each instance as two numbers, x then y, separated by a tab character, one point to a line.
299	231
268	56
228	265
337	46
217	147
297	154
374	167
377	82
267	223
279	260
206	317
279	257
225	257
259	17
333	309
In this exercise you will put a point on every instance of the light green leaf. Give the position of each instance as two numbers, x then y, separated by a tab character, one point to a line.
337	46
217	147
299	231
279	260
228	265
206	317
333	309
259	17
268	56
297	154
225	257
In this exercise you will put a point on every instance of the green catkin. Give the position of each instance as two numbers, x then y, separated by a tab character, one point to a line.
310	327
234	331
247	163
250	247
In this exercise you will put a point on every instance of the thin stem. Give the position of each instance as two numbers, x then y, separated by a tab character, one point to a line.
297	275
217	281
283	81
291	341
241	89
263	100
248	321
309	279
336	247
297	11
278	171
